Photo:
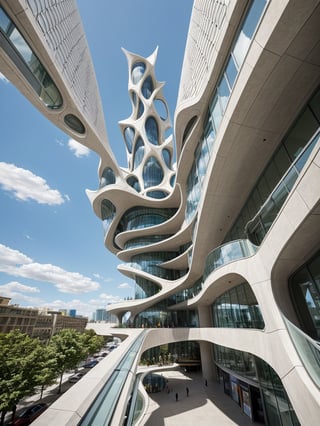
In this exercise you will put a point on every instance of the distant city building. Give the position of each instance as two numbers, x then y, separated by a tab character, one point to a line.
34	322
72	312
102	315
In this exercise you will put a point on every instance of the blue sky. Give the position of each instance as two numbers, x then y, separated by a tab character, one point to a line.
51	243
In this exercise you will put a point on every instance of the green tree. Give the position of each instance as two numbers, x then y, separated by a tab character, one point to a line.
47	374
67	345
19	368
91	342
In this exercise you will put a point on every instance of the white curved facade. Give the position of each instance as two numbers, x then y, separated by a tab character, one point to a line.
225	248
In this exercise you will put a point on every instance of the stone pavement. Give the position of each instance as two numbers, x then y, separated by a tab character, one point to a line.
205	405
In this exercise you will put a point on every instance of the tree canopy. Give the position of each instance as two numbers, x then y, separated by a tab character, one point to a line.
26	362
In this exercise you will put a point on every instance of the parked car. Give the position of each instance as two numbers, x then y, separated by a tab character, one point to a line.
91	364
75	377
29	414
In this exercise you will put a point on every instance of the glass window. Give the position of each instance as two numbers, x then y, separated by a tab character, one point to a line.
21	53
152	130
138	153
4	21
129	137
315	105
74	123
304	287
108	212
231	71
107	177
272	176
234	309
147	87
210	134
173	180
140	109
301	133
134	97
137	72
152	173
167	157
134	183
224	93
314	268
161	108
216	112
157	194
282	161
244	39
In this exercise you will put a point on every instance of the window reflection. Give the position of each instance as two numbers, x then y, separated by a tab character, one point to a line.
129	137
107	177
237	308
219	101
138	153
304	287
152	173
137	72
134	183
108	212
22	54
147	87
152	130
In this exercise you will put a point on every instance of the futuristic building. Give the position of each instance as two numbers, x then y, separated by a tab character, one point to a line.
224	245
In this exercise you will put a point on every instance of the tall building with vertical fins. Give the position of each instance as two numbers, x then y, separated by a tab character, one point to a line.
222	235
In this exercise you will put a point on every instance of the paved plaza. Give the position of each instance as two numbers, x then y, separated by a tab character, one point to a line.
205	405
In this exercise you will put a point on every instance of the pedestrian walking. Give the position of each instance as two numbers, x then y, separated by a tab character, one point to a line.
187	390
177	396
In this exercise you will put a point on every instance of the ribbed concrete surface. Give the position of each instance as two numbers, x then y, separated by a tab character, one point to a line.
205	405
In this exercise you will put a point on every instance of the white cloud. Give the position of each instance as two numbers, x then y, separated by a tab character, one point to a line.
78	149
20	293
15	286
102	278
98	276
3	78
26	186
14	263
124	285
105	298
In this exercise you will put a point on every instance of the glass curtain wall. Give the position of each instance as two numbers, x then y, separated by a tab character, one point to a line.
237	308
278	408
298	142
219	103
304	288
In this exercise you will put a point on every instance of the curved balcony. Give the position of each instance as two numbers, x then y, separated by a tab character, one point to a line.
228	252
307	349
257	228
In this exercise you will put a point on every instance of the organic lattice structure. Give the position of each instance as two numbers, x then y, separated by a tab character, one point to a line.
149	152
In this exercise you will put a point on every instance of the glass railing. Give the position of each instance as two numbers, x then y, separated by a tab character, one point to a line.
258	227
227	253
102	410
308	351
155	270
